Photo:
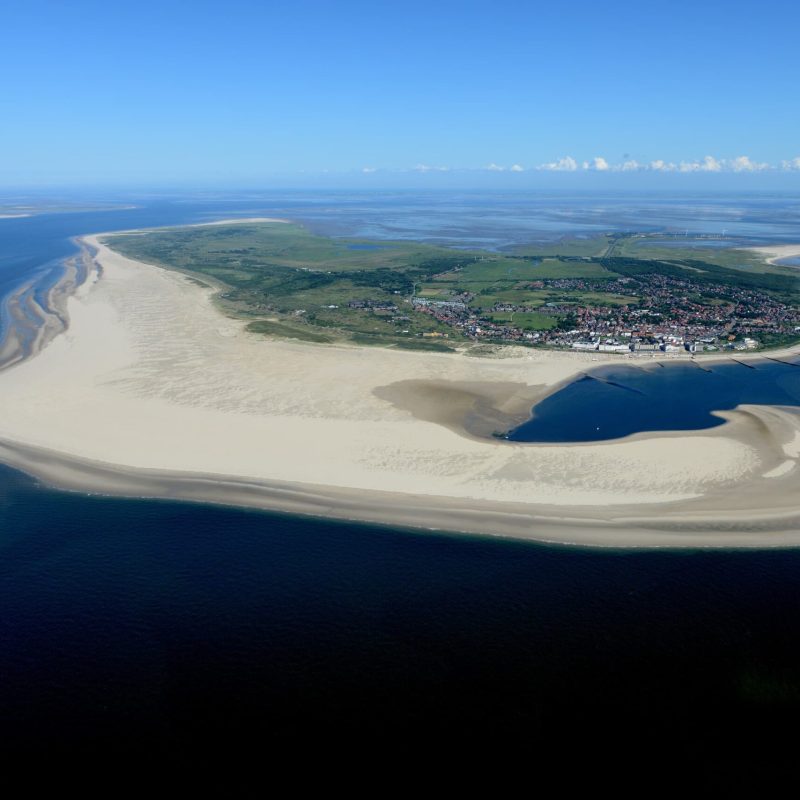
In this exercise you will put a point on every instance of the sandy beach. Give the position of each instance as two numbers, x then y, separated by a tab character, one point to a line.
234	221
776	253
150	391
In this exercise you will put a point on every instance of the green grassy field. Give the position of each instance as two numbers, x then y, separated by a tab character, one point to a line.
566	246
283	331
649	247
308	282
519	269
248	246
529	321
533	298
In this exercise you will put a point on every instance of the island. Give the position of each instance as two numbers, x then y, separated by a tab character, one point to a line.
612	293
229	363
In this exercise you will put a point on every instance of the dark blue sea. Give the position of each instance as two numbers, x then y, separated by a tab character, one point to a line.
192	635
616	401
218	644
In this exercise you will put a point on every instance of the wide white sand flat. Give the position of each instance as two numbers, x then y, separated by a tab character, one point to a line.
235	221
151	377
777	252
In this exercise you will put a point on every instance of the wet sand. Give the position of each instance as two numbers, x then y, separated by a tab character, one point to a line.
33	324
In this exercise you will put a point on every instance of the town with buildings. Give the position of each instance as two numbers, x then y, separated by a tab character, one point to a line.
664	314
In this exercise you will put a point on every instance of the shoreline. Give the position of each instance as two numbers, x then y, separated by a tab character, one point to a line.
213	414
612	527
32	325
229	221
776	253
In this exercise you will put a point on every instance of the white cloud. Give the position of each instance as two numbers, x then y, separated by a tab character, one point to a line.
745	164
566	164
708	164
369	169
428	168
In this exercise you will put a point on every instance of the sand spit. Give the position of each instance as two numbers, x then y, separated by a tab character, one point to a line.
232	221
237	221
160	395
777	252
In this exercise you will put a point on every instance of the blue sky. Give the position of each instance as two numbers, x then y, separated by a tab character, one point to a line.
413	93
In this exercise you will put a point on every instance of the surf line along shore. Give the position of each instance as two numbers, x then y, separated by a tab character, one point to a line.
152	392
35	318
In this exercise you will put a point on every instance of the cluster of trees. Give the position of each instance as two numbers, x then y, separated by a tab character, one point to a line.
703	272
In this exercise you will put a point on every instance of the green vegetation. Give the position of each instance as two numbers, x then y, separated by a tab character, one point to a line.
304	333
487	270
704	272
249	247
652	247
530	321
287	282
294	284
779	340
431	345
567	246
